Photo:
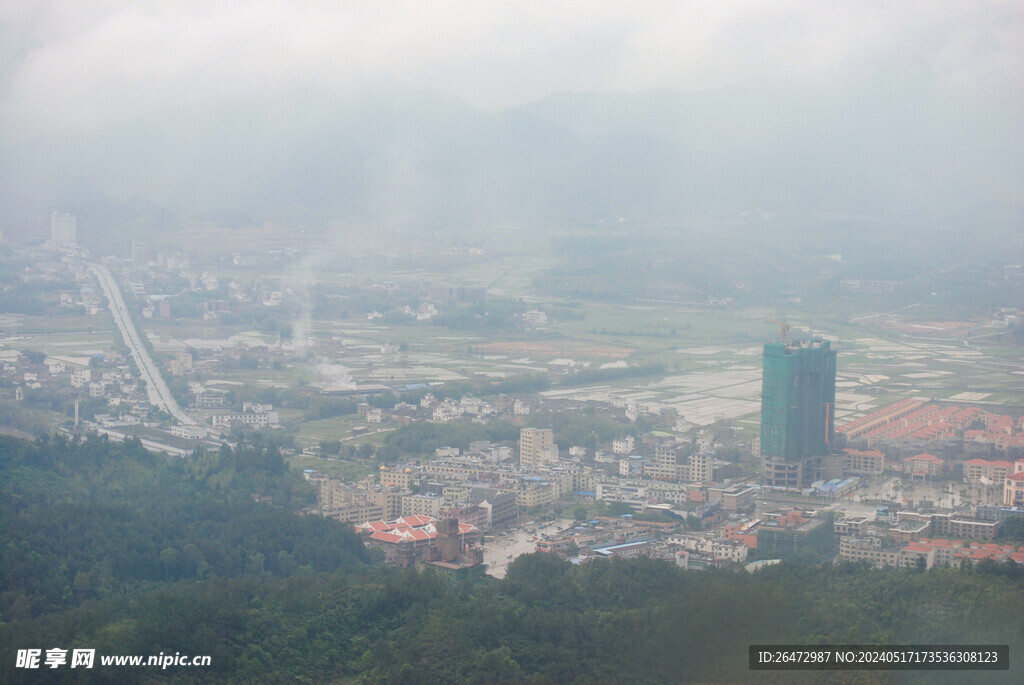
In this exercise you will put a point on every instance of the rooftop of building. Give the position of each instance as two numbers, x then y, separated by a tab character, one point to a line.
611	549
415	528
811	524
924	456
796	346
986	462
863	453
911	526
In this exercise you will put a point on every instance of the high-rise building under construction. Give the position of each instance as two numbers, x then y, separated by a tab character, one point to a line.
798	395
62	228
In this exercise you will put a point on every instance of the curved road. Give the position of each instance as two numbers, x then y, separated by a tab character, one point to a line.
159	394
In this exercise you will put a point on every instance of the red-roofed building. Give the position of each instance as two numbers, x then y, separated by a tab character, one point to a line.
964	417
916	555
923	466
373	526
1013	490
415	520
912	421
412	537
928	552
862	425
985	471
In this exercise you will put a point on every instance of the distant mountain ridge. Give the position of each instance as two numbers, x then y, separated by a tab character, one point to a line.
413	160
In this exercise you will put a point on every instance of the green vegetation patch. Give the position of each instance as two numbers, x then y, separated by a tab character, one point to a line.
90	520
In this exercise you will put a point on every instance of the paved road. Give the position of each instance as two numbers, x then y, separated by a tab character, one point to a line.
504	550
159	394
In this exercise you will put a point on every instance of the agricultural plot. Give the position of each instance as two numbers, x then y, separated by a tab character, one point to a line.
57	336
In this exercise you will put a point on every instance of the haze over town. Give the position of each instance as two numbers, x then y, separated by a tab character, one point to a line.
440	285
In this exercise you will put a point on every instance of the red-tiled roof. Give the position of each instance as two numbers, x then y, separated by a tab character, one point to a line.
396	536
865	453
416	528
924	456
375	525
877	415
417	520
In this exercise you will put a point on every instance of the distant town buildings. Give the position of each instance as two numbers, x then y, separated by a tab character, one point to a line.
664	468
925	552
448	294
251	416
140	255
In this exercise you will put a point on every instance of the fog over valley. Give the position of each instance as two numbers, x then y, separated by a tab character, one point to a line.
512	342
830	118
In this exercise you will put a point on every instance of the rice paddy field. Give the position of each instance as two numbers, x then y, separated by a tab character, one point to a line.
710	352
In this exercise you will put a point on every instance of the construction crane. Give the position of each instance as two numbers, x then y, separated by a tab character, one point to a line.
783	327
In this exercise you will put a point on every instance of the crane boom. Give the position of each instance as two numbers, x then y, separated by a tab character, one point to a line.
783	327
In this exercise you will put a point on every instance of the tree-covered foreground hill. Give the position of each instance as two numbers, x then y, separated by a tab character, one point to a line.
106	546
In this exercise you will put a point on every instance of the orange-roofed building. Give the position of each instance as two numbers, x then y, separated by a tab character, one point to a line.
864	424
745	533
916	555
418	533
923	465
985	471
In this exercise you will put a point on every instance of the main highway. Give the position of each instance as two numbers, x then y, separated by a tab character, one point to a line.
159	394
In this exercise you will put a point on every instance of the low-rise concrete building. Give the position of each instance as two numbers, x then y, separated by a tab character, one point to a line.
863	462
851	526
189	431
812	537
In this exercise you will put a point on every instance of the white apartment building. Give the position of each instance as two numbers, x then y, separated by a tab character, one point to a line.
537	446
623	445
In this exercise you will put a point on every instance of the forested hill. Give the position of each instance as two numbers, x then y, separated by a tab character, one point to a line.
85	521
108	547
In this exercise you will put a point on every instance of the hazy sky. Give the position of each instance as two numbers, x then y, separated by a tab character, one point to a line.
74	64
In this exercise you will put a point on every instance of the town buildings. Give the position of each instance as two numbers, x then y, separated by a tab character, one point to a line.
926	553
